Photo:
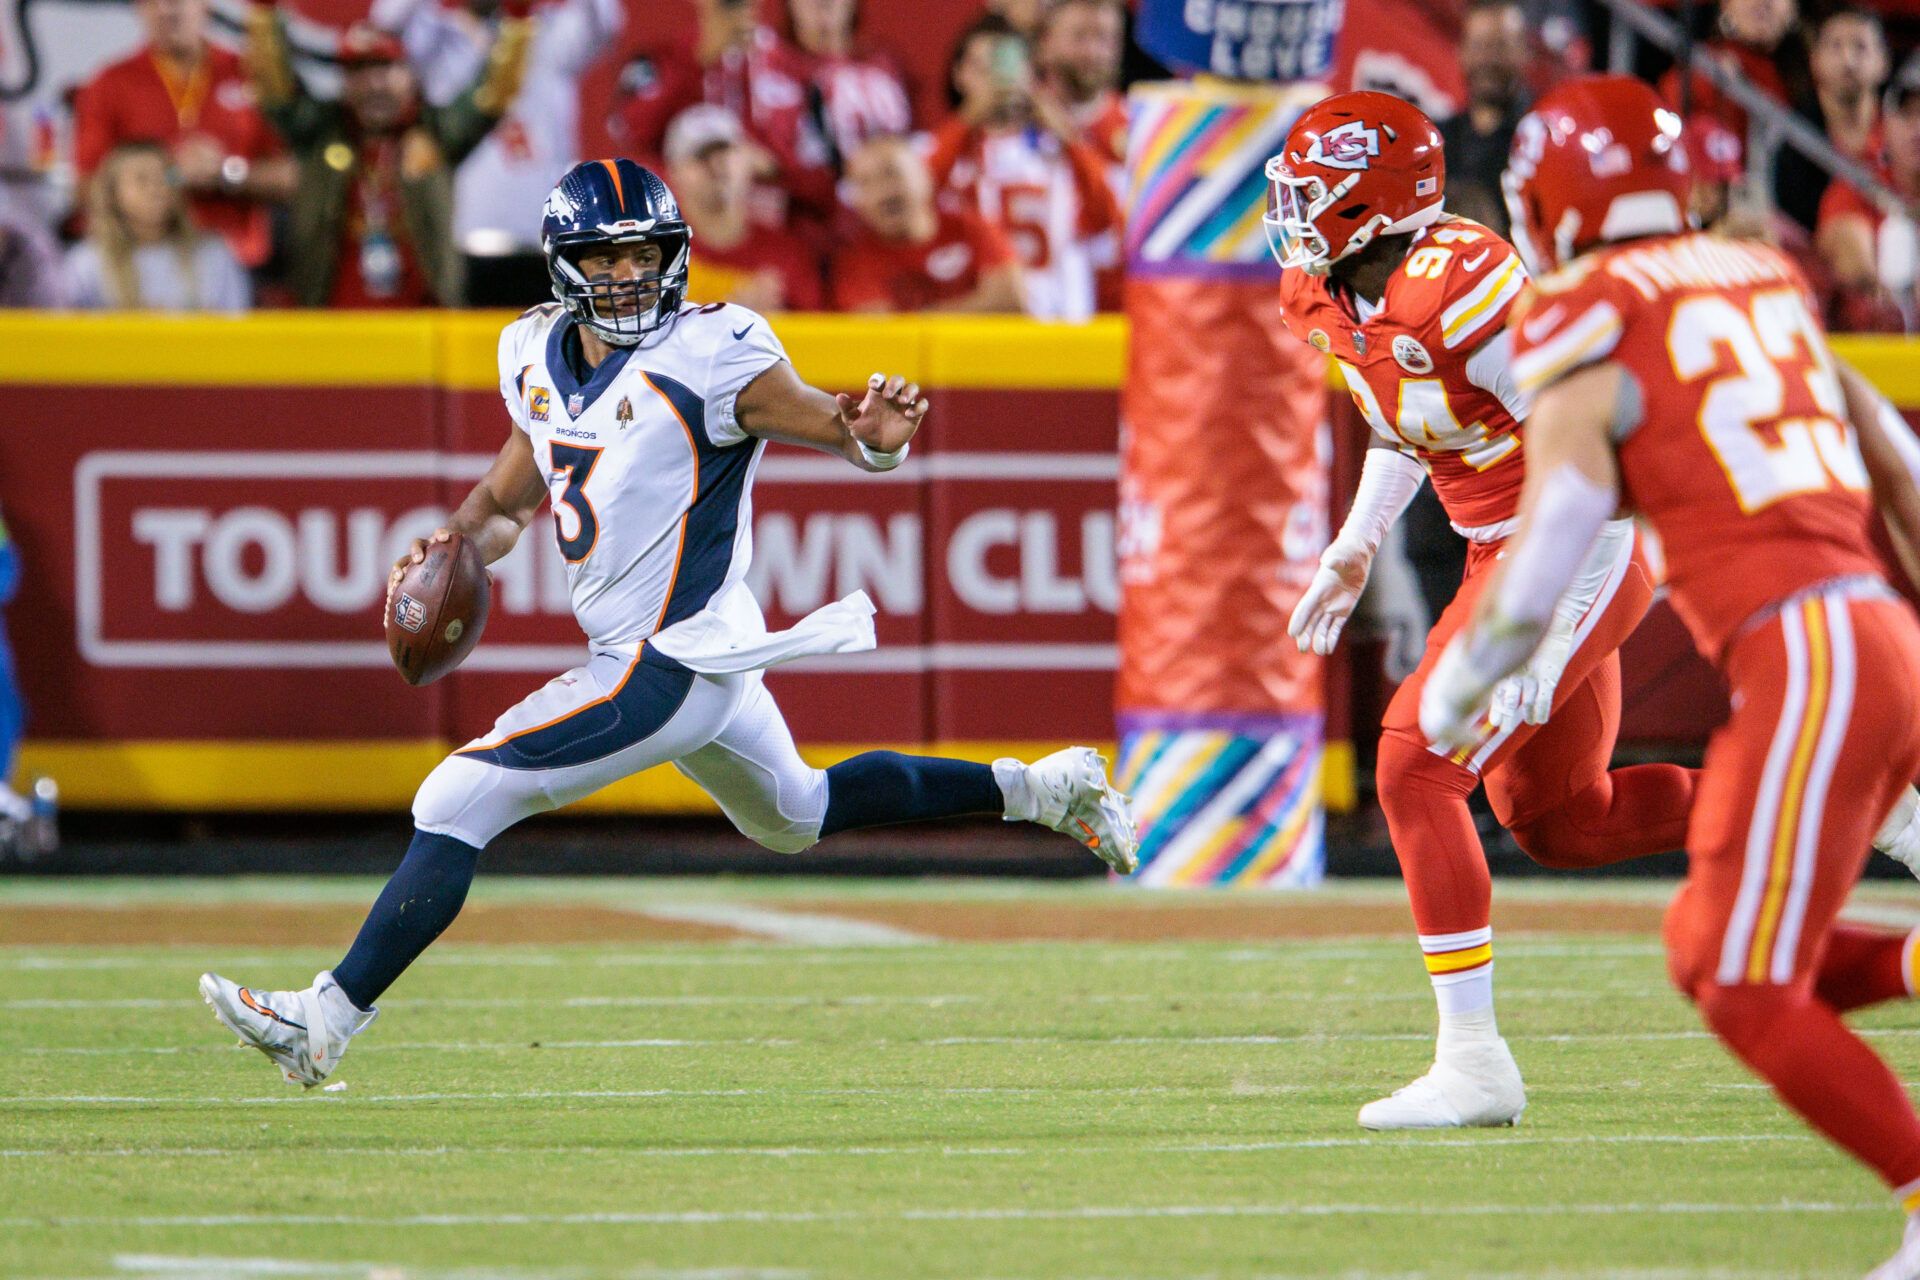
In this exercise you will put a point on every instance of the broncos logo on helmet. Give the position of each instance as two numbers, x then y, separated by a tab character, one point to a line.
615	202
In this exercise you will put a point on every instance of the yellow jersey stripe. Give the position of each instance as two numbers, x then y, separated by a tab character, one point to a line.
1504	286
1780	871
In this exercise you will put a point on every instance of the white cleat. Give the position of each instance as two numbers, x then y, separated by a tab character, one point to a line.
1899	835
1069	792
304	1032
1475	1085
1903	1265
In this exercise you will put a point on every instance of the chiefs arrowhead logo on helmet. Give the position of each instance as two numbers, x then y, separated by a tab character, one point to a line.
1348	147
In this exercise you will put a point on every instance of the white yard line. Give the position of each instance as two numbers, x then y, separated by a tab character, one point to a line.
1482	1143
724	1217
213	1268
1055	1093
804	927
733	954
940	1042
932	1001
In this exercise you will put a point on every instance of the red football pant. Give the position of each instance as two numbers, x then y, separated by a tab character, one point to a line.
1548	784
1825	731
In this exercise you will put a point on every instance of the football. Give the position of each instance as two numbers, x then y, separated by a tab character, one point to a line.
437	610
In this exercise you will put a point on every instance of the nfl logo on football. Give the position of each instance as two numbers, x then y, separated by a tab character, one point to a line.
409	613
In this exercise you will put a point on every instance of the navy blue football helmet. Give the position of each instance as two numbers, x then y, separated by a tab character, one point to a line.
603	202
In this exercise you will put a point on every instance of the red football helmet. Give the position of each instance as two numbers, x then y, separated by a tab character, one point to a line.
1598	159
1354	166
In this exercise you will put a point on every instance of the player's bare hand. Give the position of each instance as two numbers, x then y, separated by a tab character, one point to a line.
1330	598
887	416
416	552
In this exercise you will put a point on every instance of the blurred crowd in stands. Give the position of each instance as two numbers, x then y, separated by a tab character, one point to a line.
218	178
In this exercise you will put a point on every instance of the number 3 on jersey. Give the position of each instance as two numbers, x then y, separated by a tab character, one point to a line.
577	463
1766	454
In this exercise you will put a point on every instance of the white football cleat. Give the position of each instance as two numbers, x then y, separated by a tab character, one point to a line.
1069	792
1475	1085
1899	835
304	1032
1905	1263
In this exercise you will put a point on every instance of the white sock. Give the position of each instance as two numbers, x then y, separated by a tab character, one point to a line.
1460	966
1022	804
14	805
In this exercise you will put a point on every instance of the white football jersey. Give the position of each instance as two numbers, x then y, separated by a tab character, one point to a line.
650	476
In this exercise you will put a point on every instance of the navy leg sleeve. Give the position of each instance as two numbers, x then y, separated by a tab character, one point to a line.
884	787
417	905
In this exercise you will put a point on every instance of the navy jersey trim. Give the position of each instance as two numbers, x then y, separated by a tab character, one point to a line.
713	521
648	696
560	369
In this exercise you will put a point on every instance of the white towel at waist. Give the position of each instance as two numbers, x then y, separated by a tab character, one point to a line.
731	634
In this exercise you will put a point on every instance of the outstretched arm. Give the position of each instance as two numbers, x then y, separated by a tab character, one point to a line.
496	512
1572	490
871	433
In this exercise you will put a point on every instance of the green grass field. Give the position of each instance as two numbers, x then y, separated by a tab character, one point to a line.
805	1099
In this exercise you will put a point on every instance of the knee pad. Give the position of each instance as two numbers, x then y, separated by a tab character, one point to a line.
1407	765
474	801
791	823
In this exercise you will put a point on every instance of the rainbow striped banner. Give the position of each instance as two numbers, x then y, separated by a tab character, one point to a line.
1220	807
1196	161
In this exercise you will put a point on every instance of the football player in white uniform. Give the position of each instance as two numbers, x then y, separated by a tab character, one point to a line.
643	417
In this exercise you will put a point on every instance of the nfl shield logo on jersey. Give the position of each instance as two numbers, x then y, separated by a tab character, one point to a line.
575	403
409	613
1411	355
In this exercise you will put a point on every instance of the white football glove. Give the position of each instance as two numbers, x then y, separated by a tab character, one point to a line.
1526	696
1330	598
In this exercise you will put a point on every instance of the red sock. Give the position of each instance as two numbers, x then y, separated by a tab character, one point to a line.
1628	813
1425	799
1865	966
1822	1070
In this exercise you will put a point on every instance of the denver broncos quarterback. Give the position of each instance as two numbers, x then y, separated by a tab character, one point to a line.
643	416
1412	304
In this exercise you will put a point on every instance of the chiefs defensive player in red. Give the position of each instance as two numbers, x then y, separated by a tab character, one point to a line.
1686	375
1412	304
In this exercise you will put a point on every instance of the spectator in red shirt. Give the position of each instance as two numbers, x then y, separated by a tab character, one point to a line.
1077	56
909	255
1874	256
194	97
862	94
1757	39
738	62
710	170
1849	64
1014	153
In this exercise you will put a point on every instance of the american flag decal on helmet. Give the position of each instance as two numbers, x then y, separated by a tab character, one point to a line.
1426	186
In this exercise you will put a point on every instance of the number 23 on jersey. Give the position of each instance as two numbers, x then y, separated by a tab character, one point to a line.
1767	443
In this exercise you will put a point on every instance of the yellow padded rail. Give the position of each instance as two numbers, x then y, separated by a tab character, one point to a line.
458	350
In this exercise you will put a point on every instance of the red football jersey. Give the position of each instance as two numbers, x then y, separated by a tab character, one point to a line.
894	276
1429	369
144	97
1734	444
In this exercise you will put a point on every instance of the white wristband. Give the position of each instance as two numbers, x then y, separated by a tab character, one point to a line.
883	461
